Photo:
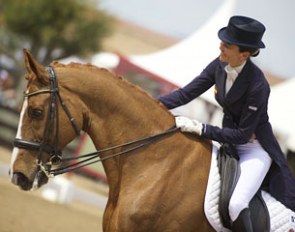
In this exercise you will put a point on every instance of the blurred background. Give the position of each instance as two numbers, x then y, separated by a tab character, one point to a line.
157	45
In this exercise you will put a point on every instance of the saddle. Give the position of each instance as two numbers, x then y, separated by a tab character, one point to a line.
229	173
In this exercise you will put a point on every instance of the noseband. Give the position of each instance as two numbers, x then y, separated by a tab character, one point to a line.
49	137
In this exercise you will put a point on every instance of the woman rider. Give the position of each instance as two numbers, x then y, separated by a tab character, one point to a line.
243	92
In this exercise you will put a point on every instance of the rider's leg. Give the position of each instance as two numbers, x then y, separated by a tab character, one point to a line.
254	163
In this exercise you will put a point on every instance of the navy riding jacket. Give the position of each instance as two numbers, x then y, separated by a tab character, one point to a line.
245	115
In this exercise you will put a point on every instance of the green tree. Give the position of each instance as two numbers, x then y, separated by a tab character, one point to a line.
51	29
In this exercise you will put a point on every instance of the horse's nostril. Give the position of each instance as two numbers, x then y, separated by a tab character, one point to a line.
21	180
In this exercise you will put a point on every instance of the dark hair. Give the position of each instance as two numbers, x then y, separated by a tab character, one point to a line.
253	51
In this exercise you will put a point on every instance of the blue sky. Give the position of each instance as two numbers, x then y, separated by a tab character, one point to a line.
180	18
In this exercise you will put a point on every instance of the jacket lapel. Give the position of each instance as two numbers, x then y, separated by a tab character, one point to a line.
220	84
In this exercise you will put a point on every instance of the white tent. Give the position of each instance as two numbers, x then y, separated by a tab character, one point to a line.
282	113
180	63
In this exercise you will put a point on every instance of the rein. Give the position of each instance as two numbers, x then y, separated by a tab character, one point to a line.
96	155
53	150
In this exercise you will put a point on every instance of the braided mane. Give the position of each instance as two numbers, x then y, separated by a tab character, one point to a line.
107	72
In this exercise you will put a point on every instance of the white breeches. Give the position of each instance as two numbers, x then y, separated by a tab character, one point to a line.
254	163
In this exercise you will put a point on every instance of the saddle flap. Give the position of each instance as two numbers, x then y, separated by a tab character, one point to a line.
229	174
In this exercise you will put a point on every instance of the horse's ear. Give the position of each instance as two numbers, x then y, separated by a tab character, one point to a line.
35	70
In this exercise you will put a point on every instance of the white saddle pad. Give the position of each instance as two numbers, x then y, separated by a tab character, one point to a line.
282	219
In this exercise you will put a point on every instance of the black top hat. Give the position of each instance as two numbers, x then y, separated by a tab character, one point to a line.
243	31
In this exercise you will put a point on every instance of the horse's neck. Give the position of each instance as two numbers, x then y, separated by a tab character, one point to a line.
117	112
123	113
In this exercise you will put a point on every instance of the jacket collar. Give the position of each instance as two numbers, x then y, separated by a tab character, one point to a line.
240	85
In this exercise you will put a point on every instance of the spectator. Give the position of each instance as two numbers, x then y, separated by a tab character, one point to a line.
7	92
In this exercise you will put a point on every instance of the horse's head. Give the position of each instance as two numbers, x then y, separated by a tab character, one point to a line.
45	127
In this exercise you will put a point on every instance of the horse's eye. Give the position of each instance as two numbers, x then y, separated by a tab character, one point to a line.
35	113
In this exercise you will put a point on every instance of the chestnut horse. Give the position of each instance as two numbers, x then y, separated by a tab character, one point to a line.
158	187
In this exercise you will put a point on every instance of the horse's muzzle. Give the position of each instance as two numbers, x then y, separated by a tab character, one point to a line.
26	184
21	180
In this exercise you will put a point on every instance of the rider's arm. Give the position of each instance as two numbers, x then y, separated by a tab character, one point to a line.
192	90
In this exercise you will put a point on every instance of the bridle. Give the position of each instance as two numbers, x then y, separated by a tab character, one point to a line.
50	137
52	122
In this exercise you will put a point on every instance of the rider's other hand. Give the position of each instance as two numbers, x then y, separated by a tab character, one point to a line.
188	125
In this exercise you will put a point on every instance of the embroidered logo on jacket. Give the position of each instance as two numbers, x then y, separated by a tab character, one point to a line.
215	90
254	108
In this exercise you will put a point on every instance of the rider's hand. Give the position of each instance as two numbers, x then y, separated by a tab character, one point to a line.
189	125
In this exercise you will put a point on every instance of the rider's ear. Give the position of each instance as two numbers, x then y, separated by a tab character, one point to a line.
35	70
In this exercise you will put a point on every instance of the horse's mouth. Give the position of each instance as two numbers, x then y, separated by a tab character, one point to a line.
26	184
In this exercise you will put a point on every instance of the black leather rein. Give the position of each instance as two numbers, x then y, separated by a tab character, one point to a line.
49	137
